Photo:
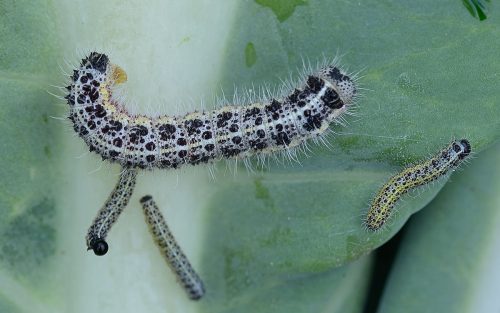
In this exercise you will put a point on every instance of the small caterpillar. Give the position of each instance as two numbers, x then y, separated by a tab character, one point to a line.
109	213
139	141
447	159
173	254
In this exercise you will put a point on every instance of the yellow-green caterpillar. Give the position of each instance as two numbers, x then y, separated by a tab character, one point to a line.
420	174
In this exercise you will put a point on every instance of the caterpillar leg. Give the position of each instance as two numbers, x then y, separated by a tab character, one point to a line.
108	214
177	261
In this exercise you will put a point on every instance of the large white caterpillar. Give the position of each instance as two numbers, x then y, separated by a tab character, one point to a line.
140	141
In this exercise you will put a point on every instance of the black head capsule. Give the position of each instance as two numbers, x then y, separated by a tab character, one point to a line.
335	74
100	247
145	199
343	84
466	148
98	61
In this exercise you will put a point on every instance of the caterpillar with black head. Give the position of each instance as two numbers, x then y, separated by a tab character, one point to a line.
109	213
232	131
412	177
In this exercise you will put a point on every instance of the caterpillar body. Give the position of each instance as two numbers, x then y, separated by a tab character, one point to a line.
109	213
420	174
176	259
233	131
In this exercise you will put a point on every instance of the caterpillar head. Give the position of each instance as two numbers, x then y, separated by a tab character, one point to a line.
462	147
96	70
344	85
99	65
96	61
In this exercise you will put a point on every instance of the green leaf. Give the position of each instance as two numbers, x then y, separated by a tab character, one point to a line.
271	238
30	141
331	291
477	8
429	81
